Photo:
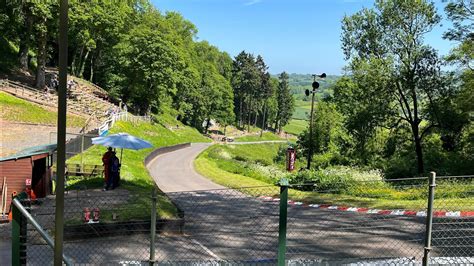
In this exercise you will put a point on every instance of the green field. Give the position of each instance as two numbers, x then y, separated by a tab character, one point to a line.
18	110
295	127
265	136
300	118
302	110
134	175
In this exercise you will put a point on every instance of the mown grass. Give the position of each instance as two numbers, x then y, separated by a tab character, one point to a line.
302	109
18	110
265	136
231	166
247	160
134	175
295	126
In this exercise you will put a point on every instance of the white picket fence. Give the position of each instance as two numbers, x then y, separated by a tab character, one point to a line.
121	116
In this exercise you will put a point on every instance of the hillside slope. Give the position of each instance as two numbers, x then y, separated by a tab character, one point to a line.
134	175
18	110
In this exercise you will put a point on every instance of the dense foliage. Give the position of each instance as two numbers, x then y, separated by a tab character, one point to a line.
394	109
150	60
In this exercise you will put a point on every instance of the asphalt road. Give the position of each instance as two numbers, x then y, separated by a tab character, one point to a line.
230	225
174	171
221	224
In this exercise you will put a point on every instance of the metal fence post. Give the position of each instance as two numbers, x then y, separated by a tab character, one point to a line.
283	221
82	153
16	223
153	227
429	218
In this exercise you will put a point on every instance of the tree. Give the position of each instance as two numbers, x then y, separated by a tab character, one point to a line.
391	35
285	102
149	65
44	20
461	13
245	80
329	135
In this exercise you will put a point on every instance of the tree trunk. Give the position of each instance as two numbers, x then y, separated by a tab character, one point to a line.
92	69
263	118
240	112
40	72
73	63
255	120
208	122
78	62
83	64
248	117
25	39
24	48
418	149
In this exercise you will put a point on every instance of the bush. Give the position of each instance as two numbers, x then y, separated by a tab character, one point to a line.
339	179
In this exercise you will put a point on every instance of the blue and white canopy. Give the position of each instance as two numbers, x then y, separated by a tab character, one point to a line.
122	141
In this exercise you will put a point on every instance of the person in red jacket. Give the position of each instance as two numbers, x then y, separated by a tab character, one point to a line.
106	162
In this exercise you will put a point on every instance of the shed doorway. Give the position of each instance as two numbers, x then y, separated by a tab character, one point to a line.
39	182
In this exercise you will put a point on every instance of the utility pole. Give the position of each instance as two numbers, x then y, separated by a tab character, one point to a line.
61	157
315	85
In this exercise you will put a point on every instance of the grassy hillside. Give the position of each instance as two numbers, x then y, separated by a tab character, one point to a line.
239	166
18	110
302	110
300	82
295	126
265	136
134	175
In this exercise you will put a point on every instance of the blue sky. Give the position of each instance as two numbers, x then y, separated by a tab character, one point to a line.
297	36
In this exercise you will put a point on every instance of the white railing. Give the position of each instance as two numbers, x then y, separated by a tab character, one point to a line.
121	116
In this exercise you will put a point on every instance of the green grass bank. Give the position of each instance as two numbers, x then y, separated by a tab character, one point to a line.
18	110
237	166
134	175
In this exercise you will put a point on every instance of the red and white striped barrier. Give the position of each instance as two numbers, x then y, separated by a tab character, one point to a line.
374	211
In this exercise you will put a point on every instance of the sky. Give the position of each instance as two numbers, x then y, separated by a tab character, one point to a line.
296	36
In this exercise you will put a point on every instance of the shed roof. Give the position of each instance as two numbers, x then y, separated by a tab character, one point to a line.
28	152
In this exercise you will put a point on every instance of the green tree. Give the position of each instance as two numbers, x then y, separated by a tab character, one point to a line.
392	35
149	66
245	80
285	102
329	136
461	13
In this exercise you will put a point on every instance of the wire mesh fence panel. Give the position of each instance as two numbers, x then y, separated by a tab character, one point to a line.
223	225
76	143
453	221
101	227
5	243
356	223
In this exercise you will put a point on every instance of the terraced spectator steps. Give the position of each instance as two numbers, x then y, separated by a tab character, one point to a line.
82	98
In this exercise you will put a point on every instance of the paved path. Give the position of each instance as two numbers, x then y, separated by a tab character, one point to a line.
174	171
228	224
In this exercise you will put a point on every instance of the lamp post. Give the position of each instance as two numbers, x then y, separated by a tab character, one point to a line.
315	85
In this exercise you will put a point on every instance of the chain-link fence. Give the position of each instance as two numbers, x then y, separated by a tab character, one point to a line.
76	143
453	220
376	222
346	226
101	227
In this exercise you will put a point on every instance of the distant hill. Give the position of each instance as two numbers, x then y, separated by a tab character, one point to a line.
300	82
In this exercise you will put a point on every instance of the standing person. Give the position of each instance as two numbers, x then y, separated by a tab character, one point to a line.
106	162
114	176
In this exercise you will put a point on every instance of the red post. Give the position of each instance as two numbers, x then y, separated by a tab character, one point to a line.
290	159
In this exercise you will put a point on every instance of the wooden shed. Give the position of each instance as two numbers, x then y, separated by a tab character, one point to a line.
34	164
